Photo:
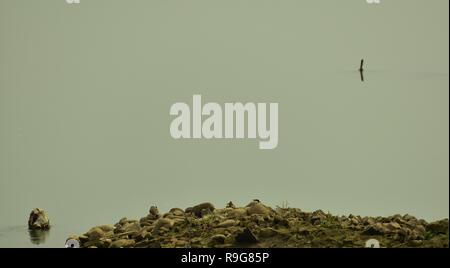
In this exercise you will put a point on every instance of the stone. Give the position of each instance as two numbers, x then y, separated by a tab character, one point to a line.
267	232
104	243
392	226
154	211
163	223
124	221
176	212
319	216
257	225
237	213
128	227
257	208
376	229
408	217
257	218
180	243
38	220
420	229
131	227
305	230
226	224
400	220
438	227
123	243
246	237
217	239
415	243
231	205
83	238
95	234
282	221
205	212
106	228
141	235
369	221
201	208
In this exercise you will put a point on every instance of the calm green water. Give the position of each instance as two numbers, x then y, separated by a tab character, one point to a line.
85	92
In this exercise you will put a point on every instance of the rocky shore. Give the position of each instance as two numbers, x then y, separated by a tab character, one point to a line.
257	225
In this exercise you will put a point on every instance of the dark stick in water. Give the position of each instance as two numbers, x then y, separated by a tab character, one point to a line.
361	70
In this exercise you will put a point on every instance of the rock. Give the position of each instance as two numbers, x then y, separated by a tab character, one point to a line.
152	216
420	229
392	226
267	232
163	223
257	208
105	243
246	237
180	243
226	224
281	221
415	243
106	228
257	218
400	220
438	227
144	233
305	231
163	230
408	217
38	220
199	209
205	212
154	211
257	225
176	212
237	213
217	239
124	221
376	229
123	243
83	238
368	221
319	216
95	234
231	205
131	227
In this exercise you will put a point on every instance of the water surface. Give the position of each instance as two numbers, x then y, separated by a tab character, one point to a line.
85	92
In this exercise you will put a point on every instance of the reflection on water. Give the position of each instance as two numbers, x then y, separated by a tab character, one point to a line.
38	237
20	236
